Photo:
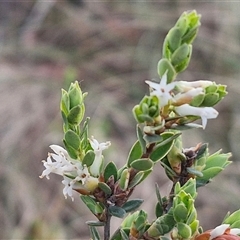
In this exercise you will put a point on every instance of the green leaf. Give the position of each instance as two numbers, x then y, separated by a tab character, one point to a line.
88	158
161	225
159	210
92	205
124	179
72	139
159	198
124	235
197	100
110	170
132	205
136	179
236	224
210	173
141	139
94	233
218	160
64	105
76	114
233	218
194	226
174	38
135	153
192	216
184	64
180	54
71	151
75	95
142	164
106	189
117	211
163	148
190	35
95	223
152	138
146	173
211	88
85	129
210	99
180	212
163	66
184	230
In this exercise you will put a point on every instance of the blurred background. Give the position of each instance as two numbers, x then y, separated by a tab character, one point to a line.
111	47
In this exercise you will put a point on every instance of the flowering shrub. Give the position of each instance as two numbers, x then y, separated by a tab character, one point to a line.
162	116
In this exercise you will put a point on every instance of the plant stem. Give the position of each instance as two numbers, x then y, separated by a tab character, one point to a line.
107	225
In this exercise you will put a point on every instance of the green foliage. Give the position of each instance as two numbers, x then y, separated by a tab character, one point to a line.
233	219
117	211
110	170
132	205
158	116
177	48
147	110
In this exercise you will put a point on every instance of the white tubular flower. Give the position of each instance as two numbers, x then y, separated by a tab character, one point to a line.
162	90
97	148
186	97
185	86
75	175
204	113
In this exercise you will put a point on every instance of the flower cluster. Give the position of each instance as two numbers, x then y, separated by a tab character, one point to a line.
180	98
76	176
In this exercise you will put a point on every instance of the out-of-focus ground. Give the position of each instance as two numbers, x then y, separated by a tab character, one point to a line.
112	47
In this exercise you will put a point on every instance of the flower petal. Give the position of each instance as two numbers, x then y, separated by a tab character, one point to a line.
203	112
219	230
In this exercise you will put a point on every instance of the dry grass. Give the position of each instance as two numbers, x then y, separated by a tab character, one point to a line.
113	47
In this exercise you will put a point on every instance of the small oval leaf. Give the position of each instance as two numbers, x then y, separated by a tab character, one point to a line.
142	164
184	230
110	170
163	148
73	153
136	180
117	211
88	158
210	173
180	213
124	179
72	139
132	205
135	153
76	114
105	188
